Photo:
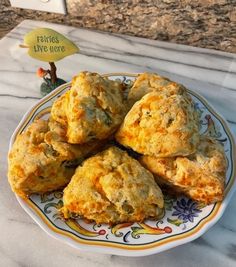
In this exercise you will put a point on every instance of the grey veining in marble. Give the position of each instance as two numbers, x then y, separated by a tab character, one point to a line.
211	73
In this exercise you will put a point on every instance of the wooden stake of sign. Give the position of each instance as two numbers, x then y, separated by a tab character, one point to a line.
53	72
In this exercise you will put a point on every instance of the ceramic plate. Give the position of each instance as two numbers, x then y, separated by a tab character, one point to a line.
183	221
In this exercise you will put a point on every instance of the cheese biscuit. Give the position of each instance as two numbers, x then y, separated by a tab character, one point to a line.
92	109
161	125
111	187
151	82
200	176
41	161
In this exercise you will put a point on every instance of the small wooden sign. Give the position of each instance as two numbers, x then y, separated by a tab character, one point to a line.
48	45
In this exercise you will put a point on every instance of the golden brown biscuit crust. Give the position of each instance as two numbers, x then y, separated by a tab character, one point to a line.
92	109
112	187
161	125
200	176
41	161
152	82
59	107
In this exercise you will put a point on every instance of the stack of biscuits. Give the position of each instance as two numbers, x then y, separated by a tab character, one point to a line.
163	126
74	150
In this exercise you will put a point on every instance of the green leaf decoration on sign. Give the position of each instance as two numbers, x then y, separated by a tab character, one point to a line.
48	45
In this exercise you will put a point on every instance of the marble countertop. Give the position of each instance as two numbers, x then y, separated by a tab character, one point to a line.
211	73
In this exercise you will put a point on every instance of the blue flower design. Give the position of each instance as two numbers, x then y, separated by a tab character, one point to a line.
196	106
186	210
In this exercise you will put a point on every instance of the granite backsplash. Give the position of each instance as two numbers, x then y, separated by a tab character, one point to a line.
202	23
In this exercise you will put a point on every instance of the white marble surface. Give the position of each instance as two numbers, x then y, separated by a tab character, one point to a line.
212	73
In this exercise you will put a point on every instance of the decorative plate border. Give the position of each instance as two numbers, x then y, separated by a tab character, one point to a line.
116	248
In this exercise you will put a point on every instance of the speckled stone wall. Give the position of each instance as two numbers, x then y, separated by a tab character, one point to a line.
203	23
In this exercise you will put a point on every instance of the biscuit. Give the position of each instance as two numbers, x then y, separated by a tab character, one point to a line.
200	176
151	82
59	107
111	187
94	108
161	125
41	161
